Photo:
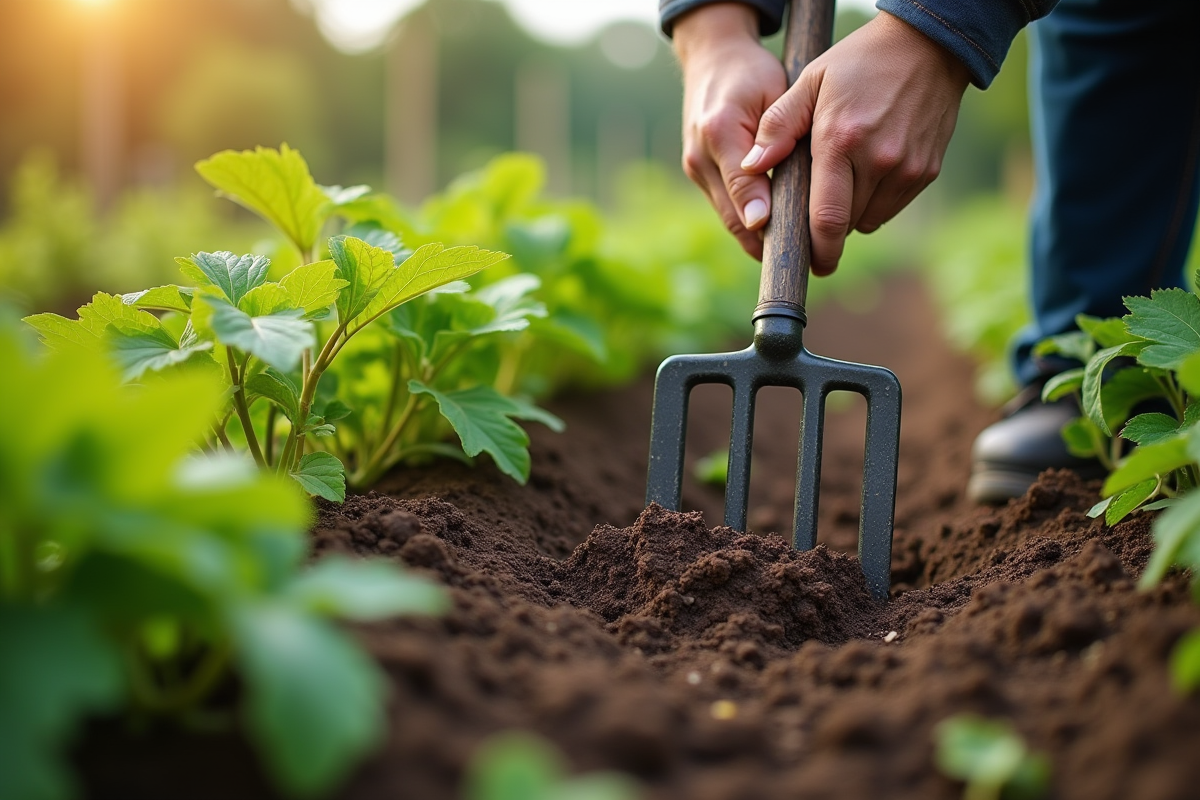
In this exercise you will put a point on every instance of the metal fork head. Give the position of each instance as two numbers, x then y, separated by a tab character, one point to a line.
778	357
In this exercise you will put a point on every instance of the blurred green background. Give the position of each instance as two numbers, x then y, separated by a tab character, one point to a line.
108	103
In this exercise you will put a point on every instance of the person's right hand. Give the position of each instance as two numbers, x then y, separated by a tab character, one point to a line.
729	81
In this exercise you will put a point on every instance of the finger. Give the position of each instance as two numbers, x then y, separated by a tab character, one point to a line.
714	188
785	122
750	194
830	208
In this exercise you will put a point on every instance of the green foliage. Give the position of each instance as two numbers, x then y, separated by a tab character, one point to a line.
55	249
990	758
519	766
274	340
713	468
977	271
1152	353
136	573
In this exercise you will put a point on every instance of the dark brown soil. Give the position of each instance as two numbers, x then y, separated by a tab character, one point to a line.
719	665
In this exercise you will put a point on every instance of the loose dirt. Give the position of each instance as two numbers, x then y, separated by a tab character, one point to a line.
718	665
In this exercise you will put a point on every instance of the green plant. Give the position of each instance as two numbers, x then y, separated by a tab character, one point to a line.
274	340
977	274
519	766
137	575
990	758
1150	354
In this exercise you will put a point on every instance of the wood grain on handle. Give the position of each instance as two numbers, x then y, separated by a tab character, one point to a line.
787	248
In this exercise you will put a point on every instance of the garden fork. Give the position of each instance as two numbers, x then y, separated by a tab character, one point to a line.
777	357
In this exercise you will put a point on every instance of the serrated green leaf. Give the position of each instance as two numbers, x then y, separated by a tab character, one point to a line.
376	235
1150	428
232	274
278	388
275	184
265	300
481	417
1170	319
58	668
1129	500
365	269
1124	390
313	287
1148	461
1093	405
364	590
1077	345
89	331
138	352
1062	384
1176	540
59	333
161	298
1080	435
525	410
278	340
321	474
314	701
429	267
510	301
1185	663
1109	332
575	332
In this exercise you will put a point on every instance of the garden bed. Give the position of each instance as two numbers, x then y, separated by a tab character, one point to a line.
713	664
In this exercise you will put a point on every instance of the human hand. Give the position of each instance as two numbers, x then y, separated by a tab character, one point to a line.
881	105
729	81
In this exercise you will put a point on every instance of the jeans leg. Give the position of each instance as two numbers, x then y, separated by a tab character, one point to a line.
1115	94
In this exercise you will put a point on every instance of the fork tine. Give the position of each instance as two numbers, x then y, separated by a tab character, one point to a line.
741	439
808	470
664	483
881	451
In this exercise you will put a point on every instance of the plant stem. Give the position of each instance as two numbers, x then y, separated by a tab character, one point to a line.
398	358
219	432
243	411
269	443
374	467
289	459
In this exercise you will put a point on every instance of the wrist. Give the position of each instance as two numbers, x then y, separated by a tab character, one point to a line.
906	36
713	26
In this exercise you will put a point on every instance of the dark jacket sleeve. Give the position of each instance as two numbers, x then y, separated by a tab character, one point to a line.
770	12
978	32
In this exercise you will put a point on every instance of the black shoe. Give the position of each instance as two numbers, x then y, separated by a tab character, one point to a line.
1008	455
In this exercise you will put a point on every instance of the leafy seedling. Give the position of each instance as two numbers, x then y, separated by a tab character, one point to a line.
519	766
990	758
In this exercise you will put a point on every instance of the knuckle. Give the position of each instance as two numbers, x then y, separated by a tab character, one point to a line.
774	121
739	184
830	221
732	223
693	163
712	127
847	136
886	159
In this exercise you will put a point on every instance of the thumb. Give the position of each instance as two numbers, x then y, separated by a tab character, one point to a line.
786	121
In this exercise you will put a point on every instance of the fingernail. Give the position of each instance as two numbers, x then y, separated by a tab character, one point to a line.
753	157
754	212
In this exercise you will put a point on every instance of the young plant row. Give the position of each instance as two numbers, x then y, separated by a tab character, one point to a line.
326	366
1147	361
138	577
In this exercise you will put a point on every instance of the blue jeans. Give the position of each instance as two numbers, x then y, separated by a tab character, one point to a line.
1115	91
